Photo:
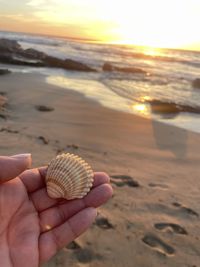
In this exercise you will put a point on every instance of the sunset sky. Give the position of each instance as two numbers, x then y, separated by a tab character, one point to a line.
159	23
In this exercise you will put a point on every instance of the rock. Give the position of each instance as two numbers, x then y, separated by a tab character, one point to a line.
161	107
75	65
4	71
44	108
12	53
67	64
34	54
7	45
10	59
196	83
109	67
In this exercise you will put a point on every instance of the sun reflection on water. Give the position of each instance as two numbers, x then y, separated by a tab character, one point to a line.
154	52
143	107
140	108
145	98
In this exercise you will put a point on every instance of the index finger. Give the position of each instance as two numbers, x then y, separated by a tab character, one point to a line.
34	179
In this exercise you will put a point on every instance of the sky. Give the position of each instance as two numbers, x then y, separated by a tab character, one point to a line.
157	23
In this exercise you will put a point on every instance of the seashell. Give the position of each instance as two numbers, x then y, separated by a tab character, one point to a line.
68	176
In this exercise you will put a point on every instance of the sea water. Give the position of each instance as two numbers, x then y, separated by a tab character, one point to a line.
168	78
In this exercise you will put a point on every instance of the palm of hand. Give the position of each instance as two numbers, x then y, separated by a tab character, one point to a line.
19	226
33	226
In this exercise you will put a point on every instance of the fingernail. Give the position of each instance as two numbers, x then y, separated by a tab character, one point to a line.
22	156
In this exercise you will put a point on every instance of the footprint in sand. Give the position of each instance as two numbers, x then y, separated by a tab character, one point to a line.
83	255
4	117
159	245
175	227
159	185
86	255
121	180
43	139
8	130
103	223
73	246
185	209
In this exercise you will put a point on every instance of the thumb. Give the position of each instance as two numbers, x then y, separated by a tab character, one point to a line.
11	167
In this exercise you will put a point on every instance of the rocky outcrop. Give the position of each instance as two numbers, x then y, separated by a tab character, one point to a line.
67	64
161	107
109	67
34	54
9	46
4	71
12	53
196	83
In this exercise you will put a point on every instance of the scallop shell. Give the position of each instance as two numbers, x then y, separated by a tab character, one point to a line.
68	176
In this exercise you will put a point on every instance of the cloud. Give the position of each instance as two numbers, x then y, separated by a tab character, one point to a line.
17	18
37	3
63	12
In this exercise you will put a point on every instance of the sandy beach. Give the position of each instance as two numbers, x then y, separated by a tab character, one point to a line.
153	217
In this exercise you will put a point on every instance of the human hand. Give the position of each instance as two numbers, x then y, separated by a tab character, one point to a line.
33	227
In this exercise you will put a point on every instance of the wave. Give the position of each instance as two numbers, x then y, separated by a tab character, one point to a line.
31	39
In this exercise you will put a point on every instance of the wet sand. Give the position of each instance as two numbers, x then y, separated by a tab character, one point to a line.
153	217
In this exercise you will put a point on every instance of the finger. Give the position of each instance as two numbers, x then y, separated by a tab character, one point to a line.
34	179
100	178
11	167
56	215
42	201
50	242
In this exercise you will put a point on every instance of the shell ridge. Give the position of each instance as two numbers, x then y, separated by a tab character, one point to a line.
69	176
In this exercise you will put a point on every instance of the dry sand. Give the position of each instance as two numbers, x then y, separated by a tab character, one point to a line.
153	218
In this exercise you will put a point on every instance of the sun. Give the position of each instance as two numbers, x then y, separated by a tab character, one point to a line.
154	23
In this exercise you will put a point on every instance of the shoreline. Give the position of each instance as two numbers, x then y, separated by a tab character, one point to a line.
144	90
185	118
154	171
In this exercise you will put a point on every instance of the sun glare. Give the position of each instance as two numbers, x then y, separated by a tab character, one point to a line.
154	23
140	108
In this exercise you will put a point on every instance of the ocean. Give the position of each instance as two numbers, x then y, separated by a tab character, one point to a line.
168	76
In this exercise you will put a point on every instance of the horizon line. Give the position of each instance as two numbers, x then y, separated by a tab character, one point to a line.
97	41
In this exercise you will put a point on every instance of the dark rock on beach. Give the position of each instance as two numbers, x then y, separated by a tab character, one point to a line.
19	60
67	64
34	54
44	108
196	83
161	107
4	71
9	46
109	67
12	53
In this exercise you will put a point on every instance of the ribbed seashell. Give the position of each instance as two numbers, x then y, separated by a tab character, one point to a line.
68	176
